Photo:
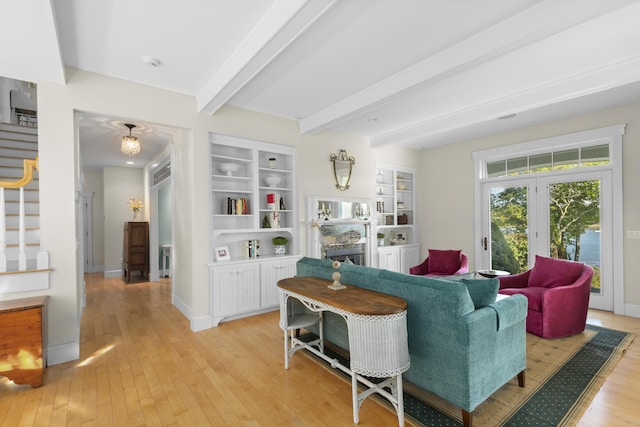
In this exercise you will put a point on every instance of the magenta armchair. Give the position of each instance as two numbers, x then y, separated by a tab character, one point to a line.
558	295
442	263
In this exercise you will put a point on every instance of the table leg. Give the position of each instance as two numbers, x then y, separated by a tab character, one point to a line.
354	396
400	397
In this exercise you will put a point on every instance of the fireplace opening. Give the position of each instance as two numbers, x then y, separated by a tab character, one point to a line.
344	241
355	255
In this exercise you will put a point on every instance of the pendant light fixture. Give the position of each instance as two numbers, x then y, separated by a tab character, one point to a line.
130	145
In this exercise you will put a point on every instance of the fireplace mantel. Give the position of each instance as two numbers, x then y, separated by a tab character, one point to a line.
340	228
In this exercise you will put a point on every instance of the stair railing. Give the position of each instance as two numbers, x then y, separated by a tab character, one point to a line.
29	165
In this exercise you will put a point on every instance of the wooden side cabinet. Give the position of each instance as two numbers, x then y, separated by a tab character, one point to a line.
23	340
136	249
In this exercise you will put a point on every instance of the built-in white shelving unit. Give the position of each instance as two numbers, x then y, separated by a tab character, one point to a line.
253	199
396	216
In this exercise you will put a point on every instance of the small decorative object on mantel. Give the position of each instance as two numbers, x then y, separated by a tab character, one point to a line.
342	166
336	285
136	206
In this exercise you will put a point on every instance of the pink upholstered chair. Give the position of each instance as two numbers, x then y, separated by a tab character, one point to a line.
442	263
558	294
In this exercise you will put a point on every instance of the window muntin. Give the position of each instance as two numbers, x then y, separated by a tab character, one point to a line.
582	157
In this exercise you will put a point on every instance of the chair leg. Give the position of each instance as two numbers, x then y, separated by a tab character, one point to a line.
521	379
467	418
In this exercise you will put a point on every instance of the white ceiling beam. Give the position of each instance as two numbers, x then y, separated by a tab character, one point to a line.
281	25
533	24
615	74
29	32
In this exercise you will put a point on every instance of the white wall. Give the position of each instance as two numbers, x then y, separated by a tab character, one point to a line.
447	210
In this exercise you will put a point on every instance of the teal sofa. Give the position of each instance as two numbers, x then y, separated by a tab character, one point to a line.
458	352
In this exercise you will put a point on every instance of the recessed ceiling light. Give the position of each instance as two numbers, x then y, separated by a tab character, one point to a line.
508	116
130	162
151	62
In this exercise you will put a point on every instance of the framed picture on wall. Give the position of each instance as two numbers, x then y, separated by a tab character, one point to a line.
222	253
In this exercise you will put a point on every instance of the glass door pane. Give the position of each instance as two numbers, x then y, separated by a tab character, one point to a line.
509	232
574	224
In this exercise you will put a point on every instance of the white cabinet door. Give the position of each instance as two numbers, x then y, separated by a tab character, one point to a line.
399	258
234	289
270	273
389	258
409	257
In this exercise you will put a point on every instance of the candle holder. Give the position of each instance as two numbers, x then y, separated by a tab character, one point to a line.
336	285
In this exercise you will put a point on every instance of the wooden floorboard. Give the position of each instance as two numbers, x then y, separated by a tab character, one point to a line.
141	365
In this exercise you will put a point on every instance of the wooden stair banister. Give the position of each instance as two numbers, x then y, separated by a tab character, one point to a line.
28	166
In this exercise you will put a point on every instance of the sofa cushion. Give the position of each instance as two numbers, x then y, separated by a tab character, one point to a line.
444	261
550	272
482	292
534	295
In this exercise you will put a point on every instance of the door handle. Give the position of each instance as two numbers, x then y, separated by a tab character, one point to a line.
484	243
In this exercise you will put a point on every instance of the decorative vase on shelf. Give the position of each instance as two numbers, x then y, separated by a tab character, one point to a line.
135	215
279	245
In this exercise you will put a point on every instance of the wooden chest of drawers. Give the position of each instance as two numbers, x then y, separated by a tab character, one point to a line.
136	249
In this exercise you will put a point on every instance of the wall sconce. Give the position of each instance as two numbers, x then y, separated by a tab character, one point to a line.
342	167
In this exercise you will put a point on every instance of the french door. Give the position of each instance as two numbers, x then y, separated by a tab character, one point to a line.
565	216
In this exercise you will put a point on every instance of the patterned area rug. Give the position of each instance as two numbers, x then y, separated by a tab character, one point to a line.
563	376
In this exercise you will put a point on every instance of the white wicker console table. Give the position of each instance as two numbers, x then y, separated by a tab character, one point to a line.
377	328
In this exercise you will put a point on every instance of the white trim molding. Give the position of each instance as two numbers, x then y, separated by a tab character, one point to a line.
62	353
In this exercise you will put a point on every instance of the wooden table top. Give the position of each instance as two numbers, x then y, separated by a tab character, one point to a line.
352	299
23	303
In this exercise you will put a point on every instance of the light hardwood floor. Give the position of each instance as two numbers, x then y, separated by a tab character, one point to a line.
140	364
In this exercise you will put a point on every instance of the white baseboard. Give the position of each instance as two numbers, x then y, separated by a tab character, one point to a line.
196	324
62	353
632	310
97	269
201	323
183	307
108	274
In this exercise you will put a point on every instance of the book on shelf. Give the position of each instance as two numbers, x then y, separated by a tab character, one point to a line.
231	206
251	248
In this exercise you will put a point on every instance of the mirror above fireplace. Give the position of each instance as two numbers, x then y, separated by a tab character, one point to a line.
332	209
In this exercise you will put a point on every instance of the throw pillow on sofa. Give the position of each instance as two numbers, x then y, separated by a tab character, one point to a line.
483	292
444	261
551	272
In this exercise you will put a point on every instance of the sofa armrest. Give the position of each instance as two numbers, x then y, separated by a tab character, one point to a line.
510	310
515	281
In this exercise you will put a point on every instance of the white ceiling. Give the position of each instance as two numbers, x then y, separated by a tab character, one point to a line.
420	73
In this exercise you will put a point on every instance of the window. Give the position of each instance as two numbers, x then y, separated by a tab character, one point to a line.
581	157
519	189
